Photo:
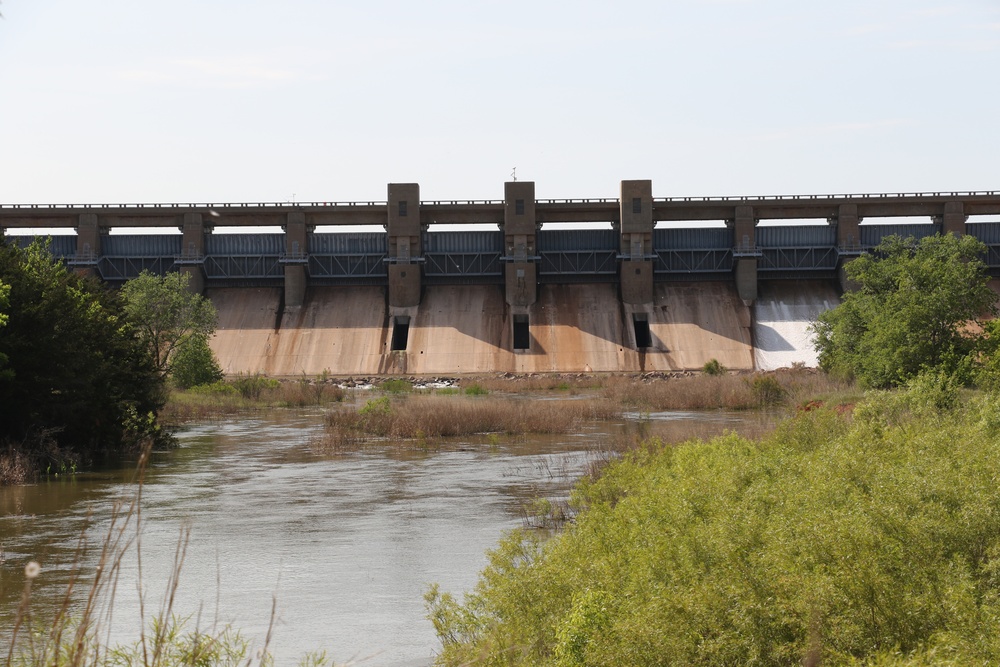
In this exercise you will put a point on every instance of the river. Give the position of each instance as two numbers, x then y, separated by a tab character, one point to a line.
346	545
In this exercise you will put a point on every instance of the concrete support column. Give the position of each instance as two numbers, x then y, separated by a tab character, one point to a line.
193	251
520	227
405	247
296	257
745	253
636	228
848	242
848	227
744	228
88	244
953	220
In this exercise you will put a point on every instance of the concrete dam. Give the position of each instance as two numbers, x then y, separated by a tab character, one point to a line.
657	291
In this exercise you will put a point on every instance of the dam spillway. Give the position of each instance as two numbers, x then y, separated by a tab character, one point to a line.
469	329
668	284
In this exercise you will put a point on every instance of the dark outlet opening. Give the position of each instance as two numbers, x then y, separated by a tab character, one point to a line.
400	332
641	327
522	339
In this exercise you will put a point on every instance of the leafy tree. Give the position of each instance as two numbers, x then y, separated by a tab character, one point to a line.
165	314
194	363
77	375
911	312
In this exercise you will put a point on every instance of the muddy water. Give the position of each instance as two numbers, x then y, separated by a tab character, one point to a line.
346	545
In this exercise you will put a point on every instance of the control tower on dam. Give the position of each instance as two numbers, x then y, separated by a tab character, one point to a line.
441	287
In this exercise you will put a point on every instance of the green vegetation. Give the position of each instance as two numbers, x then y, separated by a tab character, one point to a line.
916	308
713	367
396	386
476	389
871	539
194	363
167	315
77	383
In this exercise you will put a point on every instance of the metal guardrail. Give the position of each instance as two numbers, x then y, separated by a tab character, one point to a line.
500	202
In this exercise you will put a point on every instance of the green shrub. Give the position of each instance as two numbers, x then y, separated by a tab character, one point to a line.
396	386
713	367
216	388
767	391
376	407
251	387
834	541
194	363
475	390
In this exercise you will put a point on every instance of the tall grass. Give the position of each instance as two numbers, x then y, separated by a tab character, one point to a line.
734	392
226	398
437	416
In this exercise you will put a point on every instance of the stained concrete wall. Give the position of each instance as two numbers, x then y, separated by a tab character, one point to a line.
245	335
469	329
692	323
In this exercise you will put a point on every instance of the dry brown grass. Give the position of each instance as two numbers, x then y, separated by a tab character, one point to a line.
223	399
409	417
733	392
527	383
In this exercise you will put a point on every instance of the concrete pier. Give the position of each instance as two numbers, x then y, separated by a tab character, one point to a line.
636	229
405	247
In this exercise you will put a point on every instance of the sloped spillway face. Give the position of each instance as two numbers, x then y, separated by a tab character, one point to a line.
693	323
246	329
458	329
783	313
340	329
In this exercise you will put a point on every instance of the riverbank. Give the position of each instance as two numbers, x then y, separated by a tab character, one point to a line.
837	540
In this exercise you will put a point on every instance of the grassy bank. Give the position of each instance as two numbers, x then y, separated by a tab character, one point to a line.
864	538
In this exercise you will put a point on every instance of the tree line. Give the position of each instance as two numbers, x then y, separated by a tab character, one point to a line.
83	367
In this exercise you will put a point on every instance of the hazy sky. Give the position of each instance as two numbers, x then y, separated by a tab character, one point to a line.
217	100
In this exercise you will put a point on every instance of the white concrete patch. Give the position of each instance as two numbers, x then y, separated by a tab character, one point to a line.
782	317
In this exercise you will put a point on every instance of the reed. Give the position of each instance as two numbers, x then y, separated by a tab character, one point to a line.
224	399
439	416
729	391
562	382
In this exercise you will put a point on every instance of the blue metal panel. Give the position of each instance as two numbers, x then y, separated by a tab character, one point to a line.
987	232
872	235
692	239
60	246
805	236
244	244
145	245
360	243
471	242
575	240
